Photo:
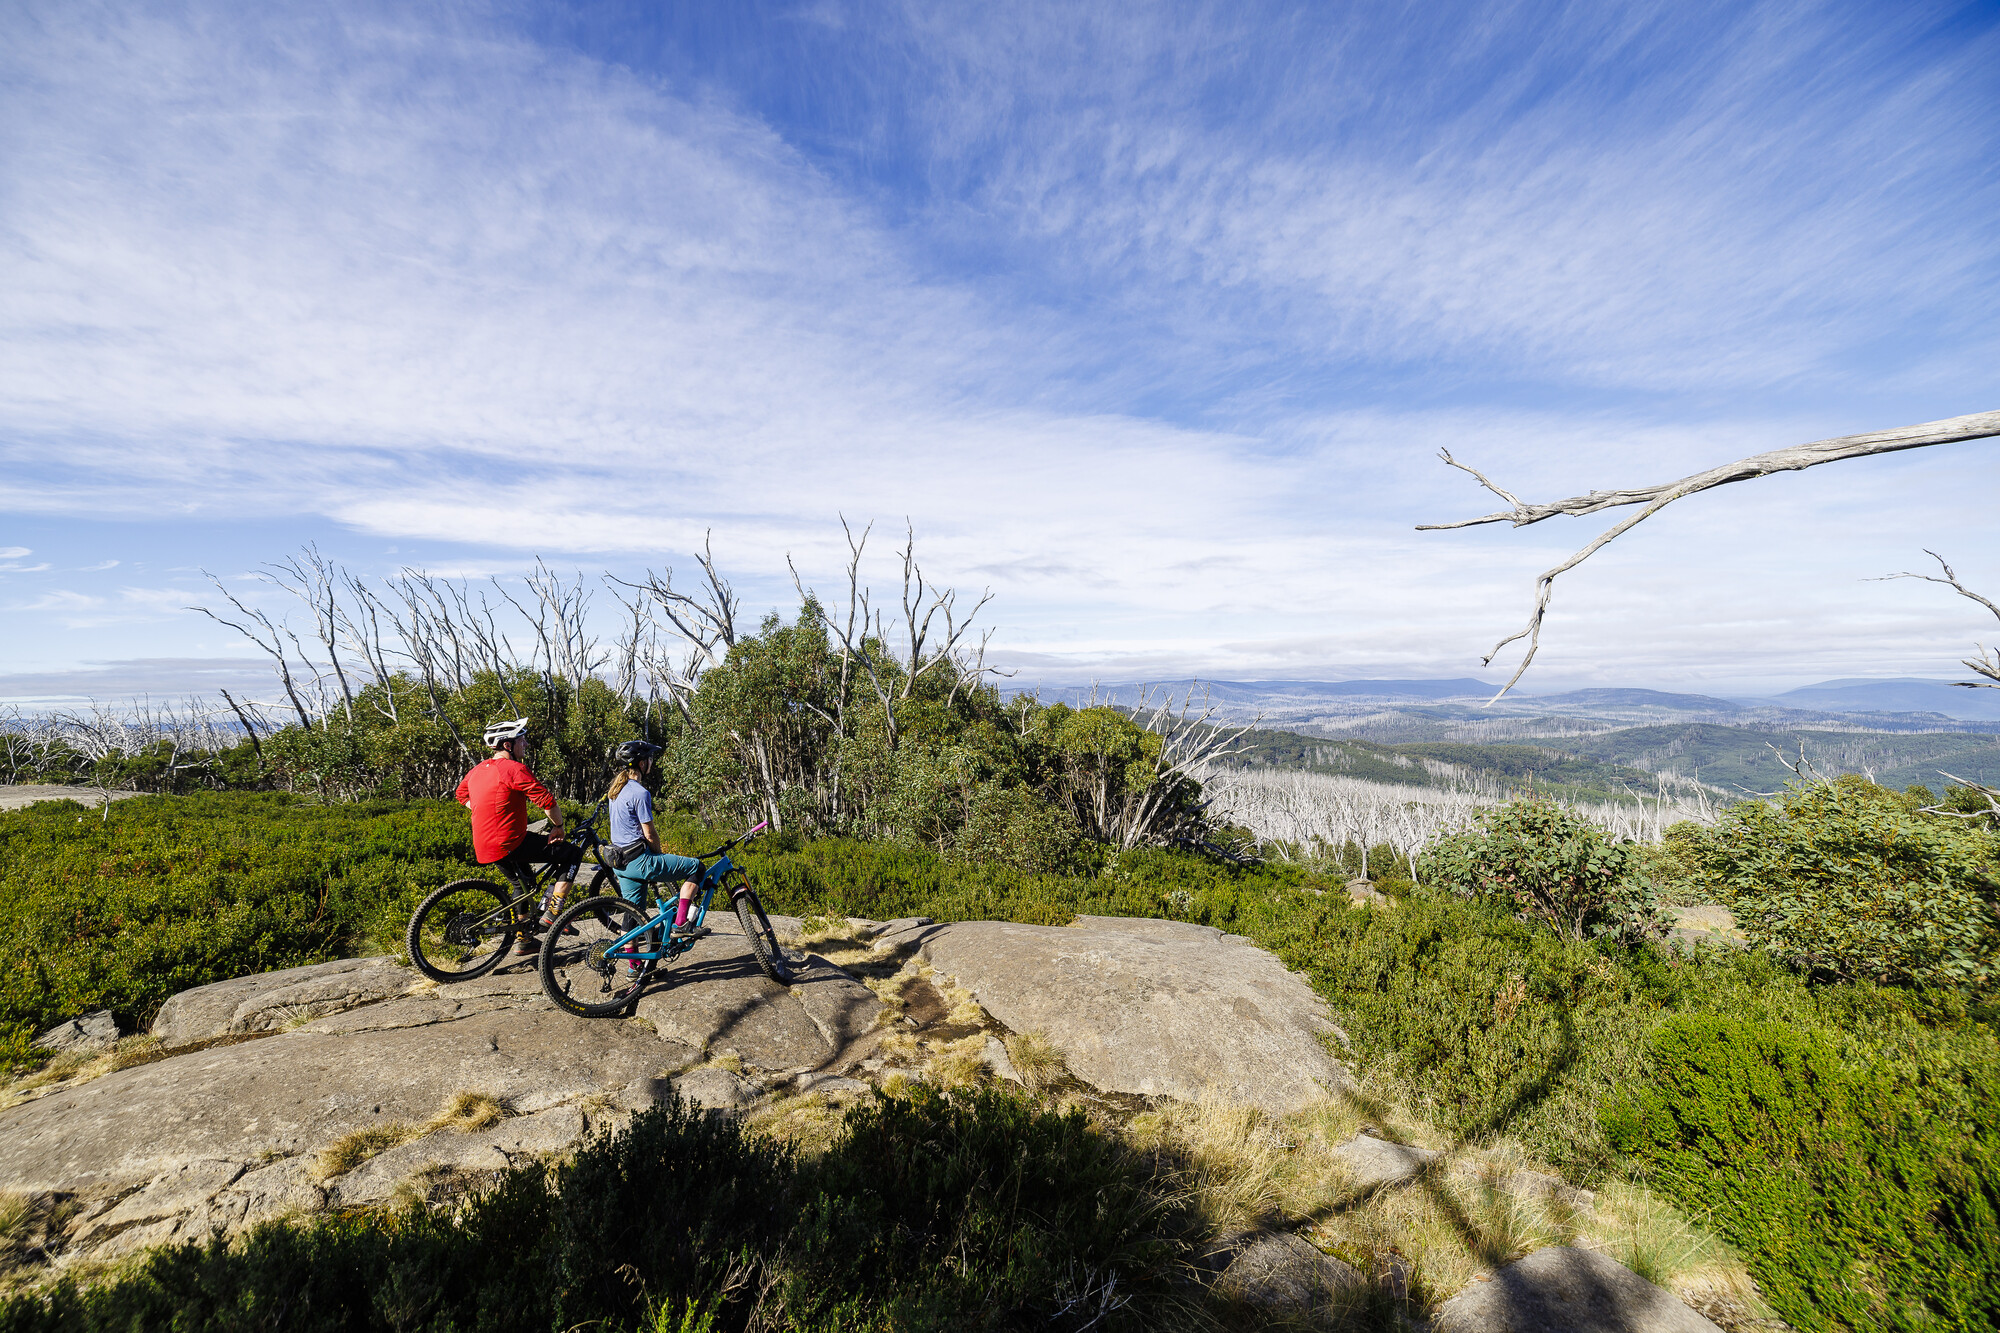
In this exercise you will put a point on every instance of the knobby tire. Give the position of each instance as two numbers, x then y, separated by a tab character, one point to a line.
575	975
757	930
462	931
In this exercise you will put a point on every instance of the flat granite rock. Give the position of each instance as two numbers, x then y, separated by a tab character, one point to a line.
1374	1164
1150	1007
269	1001
513	1141
1566	1290
1285	1275
719	1002
295	1092
94	1031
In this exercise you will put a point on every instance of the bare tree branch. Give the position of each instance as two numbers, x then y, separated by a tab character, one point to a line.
1979	425
1992	800
1987	663
276	646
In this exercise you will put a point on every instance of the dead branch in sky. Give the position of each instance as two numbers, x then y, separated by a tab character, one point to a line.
1987	663
1520	514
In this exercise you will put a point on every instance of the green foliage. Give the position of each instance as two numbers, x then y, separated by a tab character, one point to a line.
1492	1025
1552	866
1866	1197
960	1211
121	910
409	740
1849	880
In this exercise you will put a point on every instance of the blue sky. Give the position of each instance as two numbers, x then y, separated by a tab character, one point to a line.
1150	317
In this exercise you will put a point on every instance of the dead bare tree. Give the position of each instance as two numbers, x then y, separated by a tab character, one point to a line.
316	581
893	673
1987	663
1992	798
704	620
1520	514
265	635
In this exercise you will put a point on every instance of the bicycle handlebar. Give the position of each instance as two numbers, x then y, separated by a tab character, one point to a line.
736	841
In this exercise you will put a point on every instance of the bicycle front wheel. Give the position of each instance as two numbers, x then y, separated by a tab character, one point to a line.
576	973
757	930
462	931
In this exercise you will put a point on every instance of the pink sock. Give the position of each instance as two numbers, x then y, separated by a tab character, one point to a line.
681	912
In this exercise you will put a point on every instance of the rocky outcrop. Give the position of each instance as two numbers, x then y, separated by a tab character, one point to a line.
1567	1290
270	1001
1282	1274
265	1076
1152	1007
334	1085
1374	1164
92	1032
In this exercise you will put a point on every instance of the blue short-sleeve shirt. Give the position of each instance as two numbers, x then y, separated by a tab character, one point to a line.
631	807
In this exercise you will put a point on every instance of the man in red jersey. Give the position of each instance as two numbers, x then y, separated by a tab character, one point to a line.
497	793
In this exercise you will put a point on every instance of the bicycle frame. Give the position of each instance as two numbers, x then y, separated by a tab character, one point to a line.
711	879
587	841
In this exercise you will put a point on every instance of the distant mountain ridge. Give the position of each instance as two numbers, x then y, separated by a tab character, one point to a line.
1906	694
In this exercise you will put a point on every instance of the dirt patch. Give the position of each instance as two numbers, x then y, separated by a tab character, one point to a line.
922	1005
22	795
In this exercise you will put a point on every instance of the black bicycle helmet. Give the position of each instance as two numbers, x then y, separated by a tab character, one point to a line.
631	752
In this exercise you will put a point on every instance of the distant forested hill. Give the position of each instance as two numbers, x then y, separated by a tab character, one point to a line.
1731	759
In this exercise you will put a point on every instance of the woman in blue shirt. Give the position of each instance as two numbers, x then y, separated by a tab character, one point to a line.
634	837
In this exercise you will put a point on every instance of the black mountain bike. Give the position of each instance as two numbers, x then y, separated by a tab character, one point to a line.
464	929
601	953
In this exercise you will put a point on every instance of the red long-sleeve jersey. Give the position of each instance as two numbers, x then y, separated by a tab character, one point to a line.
497	792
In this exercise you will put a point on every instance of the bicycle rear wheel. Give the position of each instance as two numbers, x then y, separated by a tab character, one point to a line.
462	931
757	930
575	973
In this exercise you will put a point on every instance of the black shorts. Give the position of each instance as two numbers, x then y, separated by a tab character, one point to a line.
537	849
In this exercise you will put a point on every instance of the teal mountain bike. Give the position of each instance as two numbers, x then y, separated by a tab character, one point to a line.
600	953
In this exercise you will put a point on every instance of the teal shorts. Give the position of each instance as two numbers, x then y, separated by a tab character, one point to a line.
652	868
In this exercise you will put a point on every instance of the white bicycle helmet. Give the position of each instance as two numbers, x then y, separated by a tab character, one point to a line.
496	732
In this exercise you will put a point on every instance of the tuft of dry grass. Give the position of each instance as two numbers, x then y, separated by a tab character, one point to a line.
1242	1168
1036	1060
728	1060
816	929
14	1207
901	1046
75	1067
352	1149
808	1123
889	990
466	1112
1472	1212
1663	1245
959	1064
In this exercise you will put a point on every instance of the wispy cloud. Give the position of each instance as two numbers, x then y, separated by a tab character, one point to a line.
1150	316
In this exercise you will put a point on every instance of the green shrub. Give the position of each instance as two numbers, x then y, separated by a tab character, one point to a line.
156	895
1552	865
1863	1197
1848	880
